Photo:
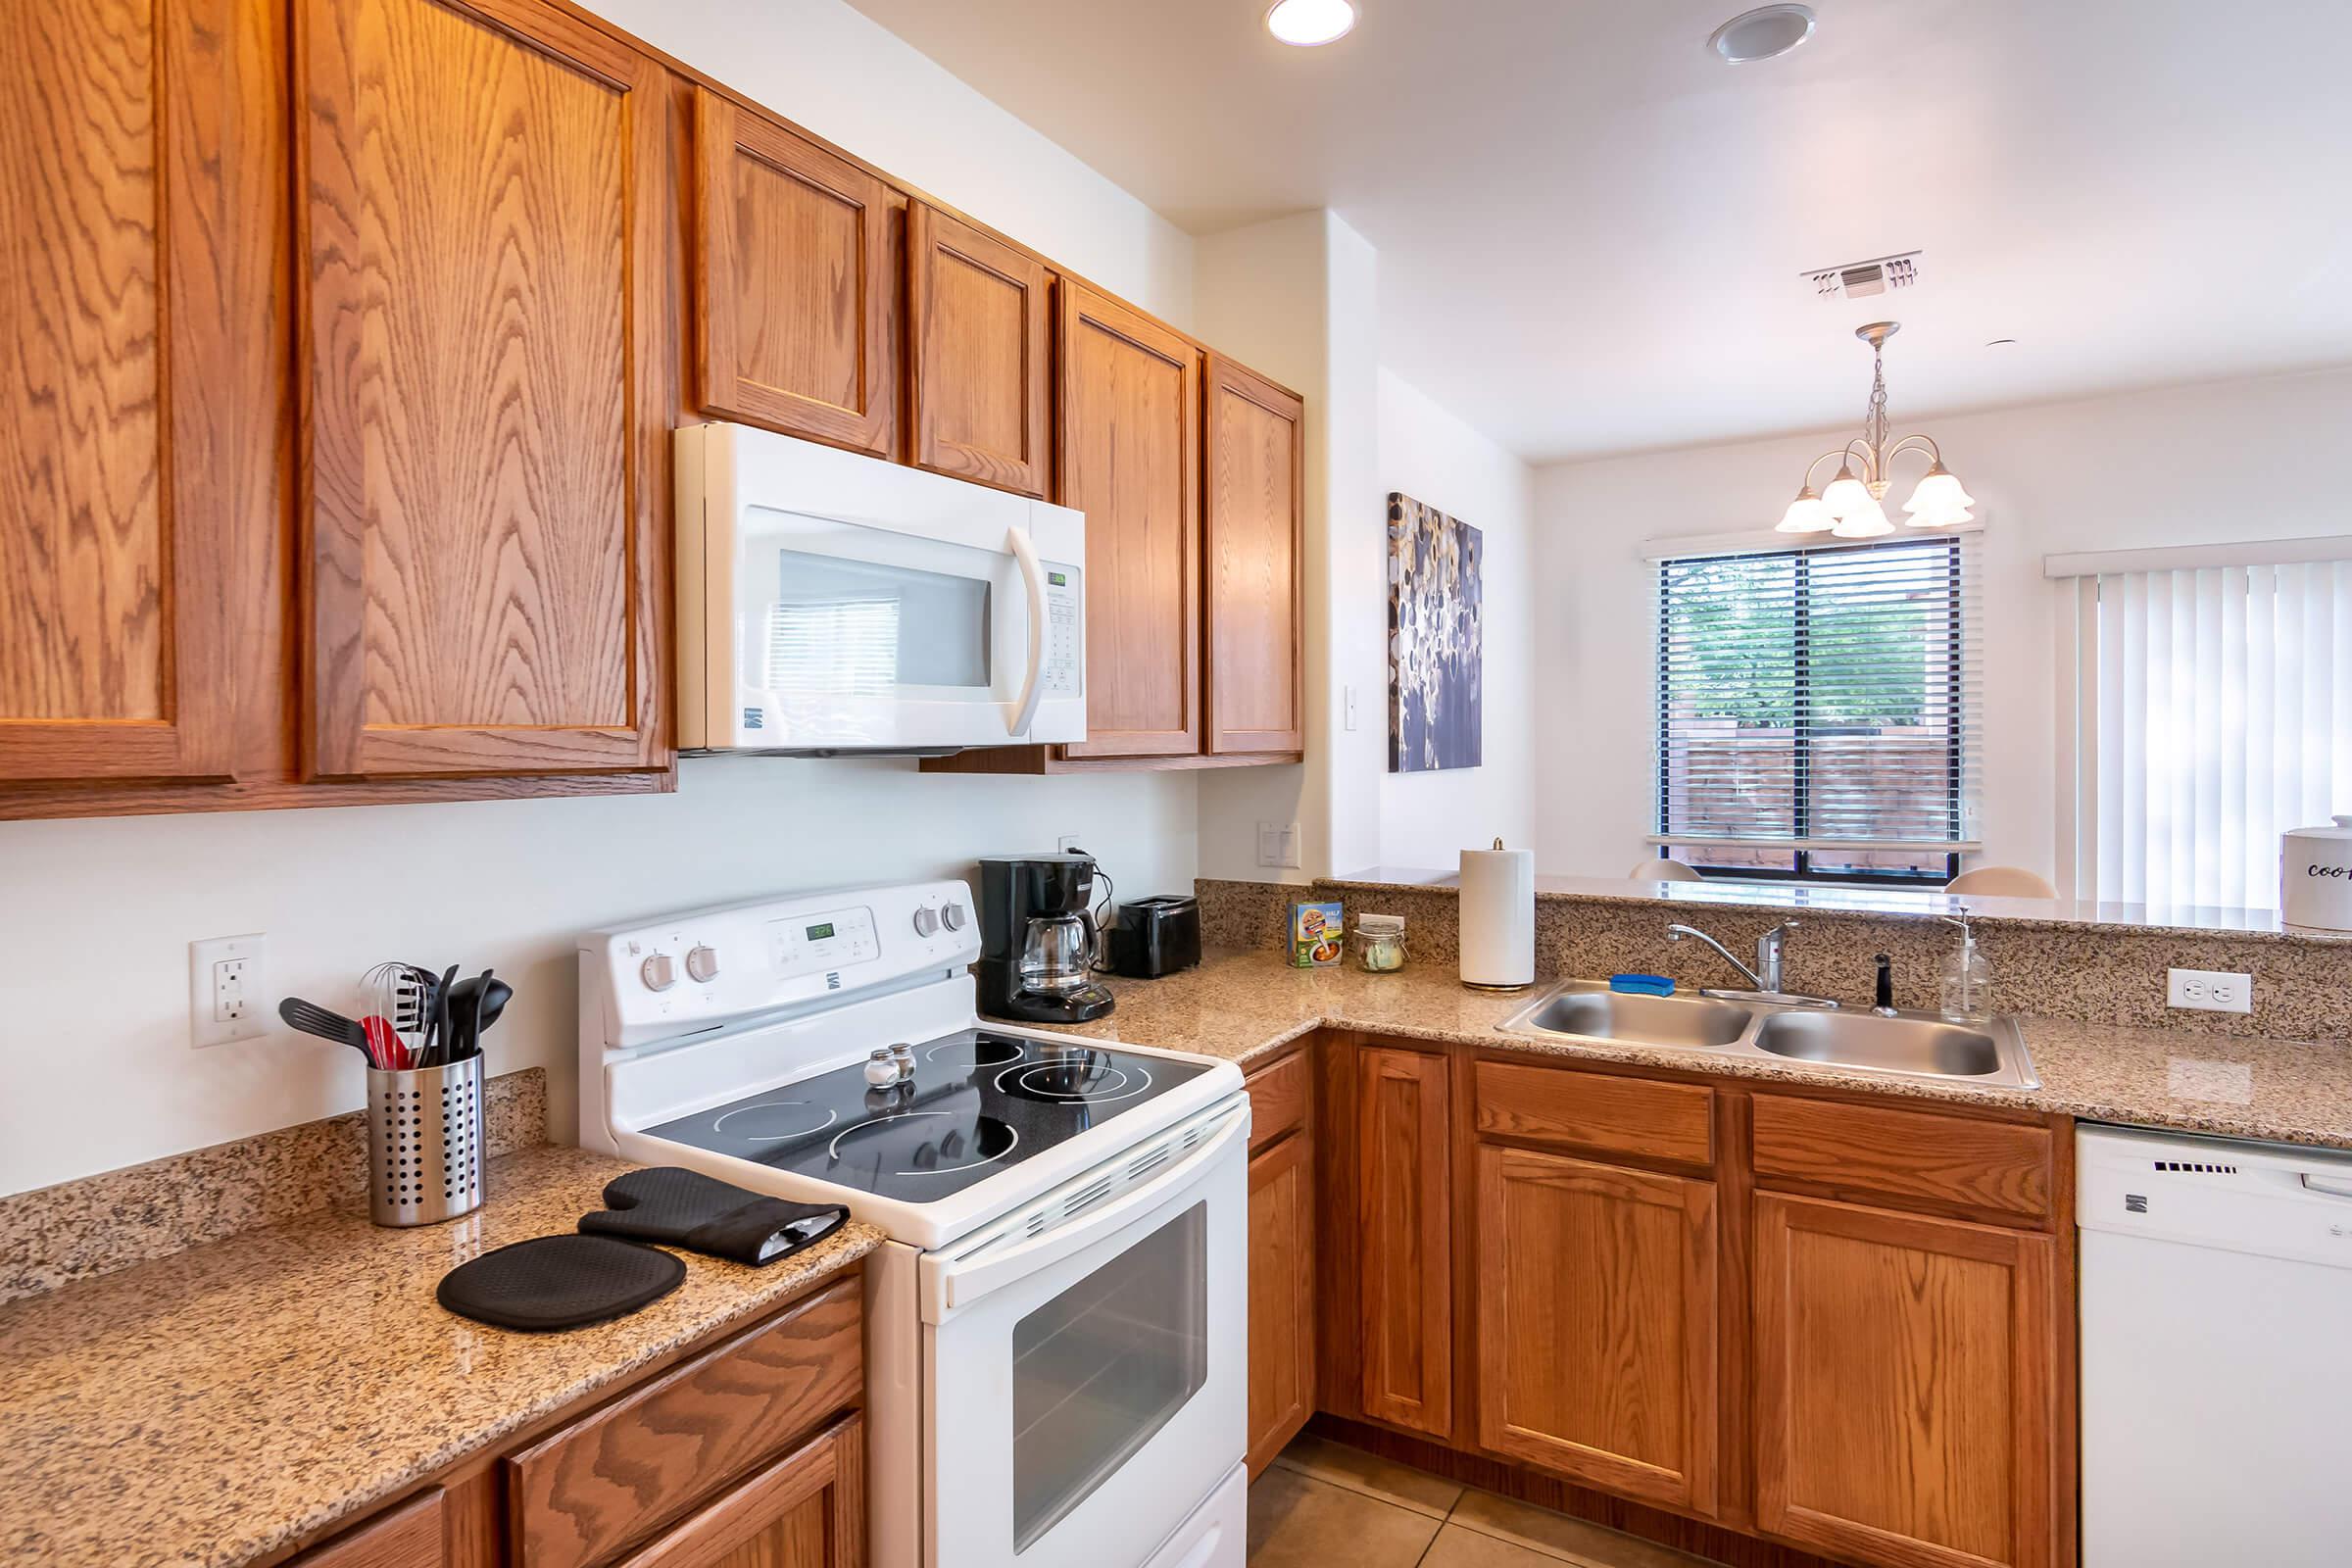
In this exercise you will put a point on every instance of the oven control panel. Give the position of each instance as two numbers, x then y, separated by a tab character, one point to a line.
706	969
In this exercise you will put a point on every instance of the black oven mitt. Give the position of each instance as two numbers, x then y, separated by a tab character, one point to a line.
686	1208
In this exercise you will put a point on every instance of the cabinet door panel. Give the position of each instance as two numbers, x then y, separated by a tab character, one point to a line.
1905	1398
1405	1224
1282	1297
1597	1324
982	346
142	175
793	294
1255	518
806	1510
481	274
1128	453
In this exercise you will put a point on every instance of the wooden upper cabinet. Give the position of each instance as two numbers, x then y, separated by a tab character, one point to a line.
1597	1327
142	182
1256	512
480	264
981	354
1906	1398
1128	450
1405	1234
794	290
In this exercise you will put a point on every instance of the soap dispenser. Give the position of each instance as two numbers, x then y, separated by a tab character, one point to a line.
1964	987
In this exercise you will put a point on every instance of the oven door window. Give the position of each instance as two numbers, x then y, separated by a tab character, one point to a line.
1103	1366
869	628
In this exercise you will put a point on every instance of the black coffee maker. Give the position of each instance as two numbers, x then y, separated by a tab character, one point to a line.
1038	940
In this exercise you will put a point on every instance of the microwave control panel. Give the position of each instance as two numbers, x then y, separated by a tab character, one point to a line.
1065	630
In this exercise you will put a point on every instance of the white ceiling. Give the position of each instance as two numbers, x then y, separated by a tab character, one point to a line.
1590	230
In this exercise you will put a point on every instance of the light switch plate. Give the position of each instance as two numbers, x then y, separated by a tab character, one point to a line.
2209	991
228	988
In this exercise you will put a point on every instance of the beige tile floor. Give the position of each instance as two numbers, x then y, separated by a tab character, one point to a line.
1320	1503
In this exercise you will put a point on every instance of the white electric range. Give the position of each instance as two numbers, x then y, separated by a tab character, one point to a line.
1057	1326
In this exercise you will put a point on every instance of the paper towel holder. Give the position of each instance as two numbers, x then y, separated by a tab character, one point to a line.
1498	939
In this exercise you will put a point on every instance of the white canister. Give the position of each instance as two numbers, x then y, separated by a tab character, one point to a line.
2314	876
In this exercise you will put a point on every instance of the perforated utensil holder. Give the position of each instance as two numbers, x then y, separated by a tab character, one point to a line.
424	1143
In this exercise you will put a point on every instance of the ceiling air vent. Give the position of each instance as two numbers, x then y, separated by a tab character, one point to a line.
1859	280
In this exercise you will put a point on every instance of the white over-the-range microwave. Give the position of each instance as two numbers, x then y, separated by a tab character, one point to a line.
831	604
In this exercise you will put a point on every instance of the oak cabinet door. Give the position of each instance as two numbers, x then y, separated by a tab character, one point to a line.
479	262
793	289
1906	1406
982	350
1255	510
1404	1227
142	233
1128	451
805	1510
1282	1296
1597	1324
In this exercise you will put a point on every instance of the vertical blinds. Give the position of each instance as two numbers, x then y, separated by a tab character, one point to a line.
2214	712
1821	699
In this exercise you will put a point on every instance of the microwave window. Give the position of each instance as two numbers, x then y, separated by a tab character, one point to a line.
865	628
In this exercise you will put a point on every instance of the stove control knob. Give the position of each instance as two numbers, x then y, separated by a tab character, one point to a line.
926	922
702	963
952	915
659	972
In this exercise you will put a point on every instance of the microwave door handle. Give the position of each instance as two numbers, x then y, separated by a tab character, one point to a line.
960	1284
1033	578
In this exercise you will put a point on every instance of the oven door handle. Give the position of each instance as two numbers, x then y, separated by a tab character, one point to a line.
1033	579
954	1283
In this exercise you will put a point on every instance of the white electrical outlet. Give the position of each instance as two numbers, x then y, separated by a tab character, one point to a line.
228	988
1066	842
2209	991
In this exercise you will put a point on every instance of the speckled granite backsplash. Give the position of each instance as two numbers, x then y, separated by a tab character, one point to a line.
119	1217
2105	974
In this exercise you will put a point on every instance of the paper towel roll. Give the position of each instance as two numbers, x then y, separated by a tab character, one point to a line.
1498	917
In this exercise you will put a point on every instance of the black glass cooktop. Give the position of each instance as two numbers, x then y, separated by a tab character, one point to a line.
980	1100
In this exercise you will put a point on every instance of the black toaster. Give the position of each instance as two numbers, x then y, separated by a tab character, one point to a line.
1155	936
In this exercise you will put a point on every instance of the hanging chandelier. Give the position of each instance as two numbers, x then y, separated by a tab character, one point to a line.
1851	506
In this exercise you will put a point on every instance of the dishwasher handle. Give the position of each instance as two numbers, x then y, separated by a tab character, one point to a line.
2327	1186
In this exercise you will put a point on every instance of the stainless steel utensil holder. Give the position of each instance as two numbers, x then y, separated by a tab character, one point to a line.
424	1143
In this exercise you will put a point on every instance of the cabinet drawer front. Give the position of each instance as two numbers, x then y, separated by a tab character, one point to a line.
1631	1116
1985	1166
1278	1097
805	1510
578	1494
408	1537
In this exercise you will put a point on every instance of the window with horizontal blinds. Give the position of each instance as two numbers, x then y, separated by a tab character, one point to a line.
2213	714
1819	710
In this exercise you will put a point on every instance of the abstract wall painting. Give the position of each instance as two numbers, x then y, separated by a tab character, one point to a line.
1436	617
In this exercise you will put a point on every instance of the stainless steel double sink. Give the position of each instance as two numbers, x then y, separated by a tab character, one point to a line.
1896	1045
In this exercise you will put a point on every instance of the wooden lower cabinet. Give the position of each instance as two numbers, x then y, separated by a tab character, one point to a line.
1907	1403
805	1510
1406	1237
1597	1335
1282	1296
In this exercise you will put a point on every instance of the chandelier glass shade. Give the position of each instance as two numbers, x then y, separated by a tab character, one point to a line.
1853	506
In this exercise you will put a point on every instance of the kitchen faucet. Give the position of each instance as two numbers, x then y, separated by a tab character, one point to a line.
1764	980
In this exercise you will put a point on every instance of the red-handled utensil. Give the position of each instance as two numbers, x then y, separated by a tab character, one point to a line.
383	1044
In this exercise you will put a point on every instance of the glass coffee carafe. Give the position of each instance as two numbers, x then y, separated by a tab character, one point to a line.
1057	953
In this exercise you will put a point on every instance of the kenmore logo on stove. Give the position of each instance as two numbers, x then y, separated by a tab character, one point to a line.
833	980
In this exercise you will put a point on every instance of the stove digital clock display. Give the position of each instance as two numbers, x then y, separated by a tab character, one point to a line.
818	933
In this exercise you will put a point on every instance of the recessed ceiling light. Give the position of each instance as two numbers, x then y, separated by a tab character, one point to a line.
1308	23
1762	33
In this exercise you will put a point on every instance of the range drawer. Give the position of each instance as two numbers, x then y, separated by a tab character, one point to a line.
1278	1098
579	1494
1638	1119
1879	1151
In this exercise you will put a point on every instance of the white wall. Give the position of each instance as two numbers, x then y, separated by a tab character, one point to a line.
2245	460
96	916
1427	819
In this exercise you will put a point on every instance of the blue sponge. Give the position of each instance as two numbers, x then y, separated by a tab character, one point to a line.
1642	985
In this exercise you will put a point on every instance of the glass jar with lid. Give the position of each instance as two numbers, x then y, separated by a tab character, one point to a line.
1380	943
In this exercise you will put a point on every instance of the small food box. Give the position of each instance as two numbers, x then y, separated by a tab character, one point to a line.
1315	935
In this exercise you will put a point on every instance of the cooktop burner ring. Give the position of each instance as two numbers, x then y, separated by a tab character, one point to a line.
989	1051
830	1117
1115	1082
1012	1140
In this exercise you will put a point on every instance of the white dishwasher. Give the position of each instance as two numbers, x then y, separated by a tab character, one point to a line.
2216	1351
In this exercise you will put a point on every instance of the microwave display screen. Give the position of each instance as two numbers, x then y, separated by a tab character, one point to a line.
865	628
818	933
1060	579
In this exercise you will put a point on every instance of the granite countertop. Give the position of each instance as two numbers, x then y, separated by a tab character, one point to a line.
1242	1005
210	1405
